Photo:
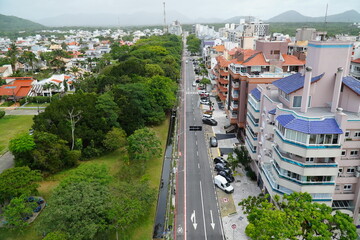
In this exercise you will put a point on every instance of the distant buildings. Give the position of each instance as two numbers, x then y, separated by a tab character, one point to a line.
175	28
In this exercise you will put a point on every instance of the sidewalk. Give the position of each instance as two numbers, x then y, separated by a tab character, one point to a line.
231	213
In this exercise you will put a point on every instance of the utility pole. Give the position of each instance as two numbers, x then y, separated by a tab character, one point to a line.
165	27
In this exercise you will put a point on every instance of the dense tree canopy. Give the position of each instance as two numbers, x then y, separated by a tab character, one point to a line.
295	217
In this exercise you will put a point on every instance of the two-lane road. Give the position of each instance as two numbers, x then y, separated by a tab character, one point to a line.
197	215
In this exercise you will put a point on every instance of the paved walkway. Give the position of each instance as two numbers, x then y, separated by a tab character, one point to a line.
6	161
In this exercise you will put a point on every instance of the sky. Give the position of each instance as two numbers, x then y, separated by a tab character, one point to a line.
193	9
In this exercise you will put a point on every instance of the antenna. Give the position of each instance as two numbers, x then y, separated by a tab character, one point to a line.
165	27
325	22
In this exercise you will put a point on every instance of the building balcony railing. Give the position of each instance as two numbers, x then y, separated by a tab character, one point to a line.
237	70
250	133
253	103
234	106
235	84
298	161
251	148
253	120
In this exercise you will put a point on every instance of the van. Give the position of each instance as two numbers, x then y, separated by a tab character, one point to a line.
221	183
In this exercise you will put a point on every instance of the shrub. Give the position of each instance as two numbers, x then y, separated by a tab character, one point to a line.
2	114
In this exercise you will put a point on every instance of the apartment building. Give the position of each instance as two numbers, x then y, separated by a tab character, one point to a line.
248	68
303	130
355	68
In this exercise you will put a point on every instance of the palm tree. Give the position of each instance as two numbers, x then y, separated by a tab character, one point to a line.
29	58
75	70
12	55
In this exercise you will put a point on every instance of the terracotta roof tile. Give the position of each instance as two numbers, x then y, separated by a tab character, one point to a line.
356	60
292	60
219	48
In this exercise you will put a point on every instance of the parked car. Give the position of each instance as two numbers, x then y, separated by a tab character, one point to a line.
209	121
213	142
220	160
204	101
37	209
201	91
222	167
228	176
221	183
194	84
207	116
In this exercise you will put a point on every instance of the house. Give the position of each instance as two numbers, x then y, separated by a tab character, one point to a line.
303	130
17	87
6	71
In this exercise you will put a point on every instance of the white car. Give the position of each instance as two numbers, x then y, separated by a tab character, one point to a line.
194	84
221	183
204	101
207	116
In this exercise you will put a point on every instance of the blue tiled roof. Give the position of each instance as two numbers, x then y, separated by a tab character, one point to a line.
326	126
256	94
352	83
293	82
273	111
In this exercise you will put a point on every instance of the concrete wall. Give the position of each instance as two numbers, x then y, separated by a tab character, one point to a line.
266	47
349	100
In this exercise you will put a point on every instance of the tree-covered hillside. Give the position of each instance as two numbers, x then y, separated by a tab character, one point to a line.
11	23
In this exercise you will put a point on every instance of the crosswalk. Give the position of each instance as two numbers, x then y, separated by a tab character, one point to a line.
189	92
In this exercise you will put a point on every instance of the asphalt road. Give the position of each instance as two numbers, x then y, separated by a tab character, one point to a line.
197	215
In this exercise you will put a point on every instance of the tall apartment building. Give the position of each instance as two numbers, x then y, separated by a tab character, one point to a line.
303	131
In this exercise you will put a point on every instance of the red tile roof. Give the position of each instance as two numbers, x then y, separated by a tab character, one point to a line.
291	60
55	80
219	48
222	61
19	88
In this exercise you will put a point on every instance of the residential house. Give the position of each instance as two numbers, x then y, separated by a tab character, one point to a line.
17	88
5	71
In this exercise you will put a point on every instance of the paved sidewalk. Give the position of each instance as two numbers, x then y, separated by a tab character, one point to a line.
6	161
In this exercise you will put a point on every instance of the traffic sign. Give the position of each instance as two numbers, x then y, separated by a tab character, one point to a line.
233	226
195	128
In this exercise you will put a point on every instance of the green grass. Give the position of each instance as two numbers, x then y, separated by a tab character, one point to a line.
10	126
144	229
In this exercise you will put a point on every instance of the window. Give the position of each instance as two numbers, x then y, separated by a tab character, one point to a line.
347	133
343	153
354	152
297	101
347	187
357	134
350	170
310	159
276	51
337	187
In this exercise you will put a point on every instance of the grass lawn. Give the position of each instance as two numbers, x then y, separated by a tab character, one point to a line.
12	125
113	161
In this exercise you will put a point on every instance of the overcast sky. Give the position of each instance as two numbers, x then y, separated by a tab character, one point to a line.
264	9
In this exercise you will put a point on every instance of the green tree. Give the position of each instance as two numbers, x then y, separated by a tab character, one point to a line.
12	55
295	216
205	82
16	210
18	181
243	156
52	154
57	235
153	70
109	109
21	147
142	146
2	114
29	57
163	90
114	139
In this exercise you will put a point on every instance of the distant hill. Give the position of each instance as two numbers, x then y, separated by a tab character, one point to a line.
294	16
11	23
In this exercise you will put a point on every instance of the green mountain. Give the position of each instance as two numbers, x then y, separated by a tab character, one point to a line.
294	16
11	23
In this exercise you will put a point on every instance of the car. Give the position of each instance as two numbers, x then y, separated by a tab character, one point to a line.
213	142
40	201
209	121
187	61
202	92
227	176
204	101
224	185
207	116
194	84
220	160
222	167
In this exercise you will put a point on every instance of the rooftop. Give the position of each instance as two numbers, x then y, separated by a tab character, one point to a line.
325	126
294	82
352	83
256	94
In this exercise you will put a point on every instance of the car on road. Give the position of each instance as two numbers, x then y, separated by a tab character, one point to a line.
209	121
202	92
204	101
194	84
220	160
222	167
224	185
228	176
213	142
187	61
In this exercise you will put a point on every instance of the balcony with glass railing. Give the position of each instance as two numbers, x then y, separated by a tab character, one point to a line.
255	105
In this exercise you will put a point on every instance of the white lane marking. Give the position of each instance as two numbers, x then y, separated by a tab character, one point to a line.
212	220
197	153
196	142
203	212
198	165
193	219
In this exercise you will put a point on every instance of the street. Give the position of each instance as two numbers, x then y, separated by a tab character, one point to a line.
197	215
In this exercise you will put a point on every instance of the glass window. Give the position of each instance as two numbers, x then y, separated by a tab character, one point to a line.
347	133
328	138
350	170
335	139
320	139
347	186
343	153
312	139
354	153
297	101
357	134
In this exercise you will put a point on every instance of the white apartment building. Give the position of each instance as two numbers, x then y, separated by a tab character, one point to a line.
303	131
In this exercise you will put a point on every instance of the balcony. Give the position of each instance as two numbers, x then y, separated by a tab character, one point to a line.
234	106
235	95
250	133
235	85
255	105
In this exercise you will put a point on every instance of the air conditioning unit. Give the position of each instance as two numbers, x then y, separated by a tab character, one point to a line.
273	145
263	114
358	168
259	157
261	129
260	143
268	120
357	174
